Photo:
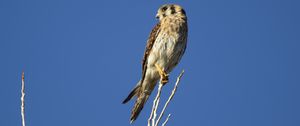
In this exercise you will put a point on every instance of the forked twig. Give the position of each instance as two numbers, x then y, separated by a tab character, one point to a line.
170	98
152	121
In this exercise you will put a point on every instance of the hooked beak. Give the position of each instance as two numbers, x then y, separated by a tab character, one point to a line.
157	16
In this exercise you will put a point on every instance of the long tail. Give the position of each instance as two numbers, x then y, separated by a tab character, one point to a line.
139	103
138	106
142	98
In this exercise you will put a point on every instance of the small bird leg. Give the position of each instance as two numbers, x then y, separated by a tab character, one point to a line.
164	77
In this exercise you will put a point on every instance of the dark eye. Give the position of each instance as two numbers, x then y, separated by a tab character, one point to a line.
164	8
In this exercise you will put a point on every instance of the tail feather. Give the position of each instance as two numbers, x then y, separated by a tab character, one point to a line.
134	92
138	106
131	94
142	95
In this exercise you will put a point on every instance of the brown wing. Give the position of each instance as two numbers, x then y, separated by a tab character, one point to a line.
148	49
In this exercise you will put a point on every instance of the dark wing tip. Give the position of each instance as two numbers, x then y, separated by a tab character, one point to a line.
126	100
132	93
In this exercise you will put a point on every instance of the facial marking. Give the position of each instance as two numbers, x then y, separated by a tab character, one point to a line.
173	9
164	8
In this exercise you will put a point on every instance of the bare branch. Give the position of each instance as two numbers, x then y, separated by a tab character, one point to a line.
152	121
23	100
170	98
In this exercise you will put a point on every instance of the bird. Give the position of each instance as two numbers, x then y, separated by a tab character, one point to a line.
164	49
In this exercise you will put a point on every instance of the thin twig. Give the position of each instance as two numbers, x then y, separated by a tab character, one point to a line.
151	120
23	100
170	98
165	122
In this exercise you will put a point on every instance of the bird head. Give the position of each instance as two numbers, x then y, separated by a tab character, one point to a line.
170	10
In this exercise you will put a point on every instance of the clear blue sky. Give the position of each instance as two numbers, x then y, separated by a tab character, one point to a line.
81	59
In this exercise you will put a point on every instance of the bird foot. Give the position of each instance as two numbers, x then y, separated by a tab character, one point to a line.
164	77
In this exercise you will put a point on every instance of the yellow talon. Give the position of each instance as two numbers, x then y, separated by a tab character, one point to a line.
164	77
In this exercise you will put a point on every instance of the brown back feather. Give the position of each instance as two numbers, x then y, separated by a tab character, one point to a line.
153	35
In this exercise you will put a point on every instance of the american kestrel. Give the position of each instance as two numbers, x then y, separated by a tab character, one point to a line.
165	47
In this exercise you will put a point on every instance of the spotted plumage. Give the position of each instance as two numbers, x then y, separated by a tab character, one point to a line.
165	47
